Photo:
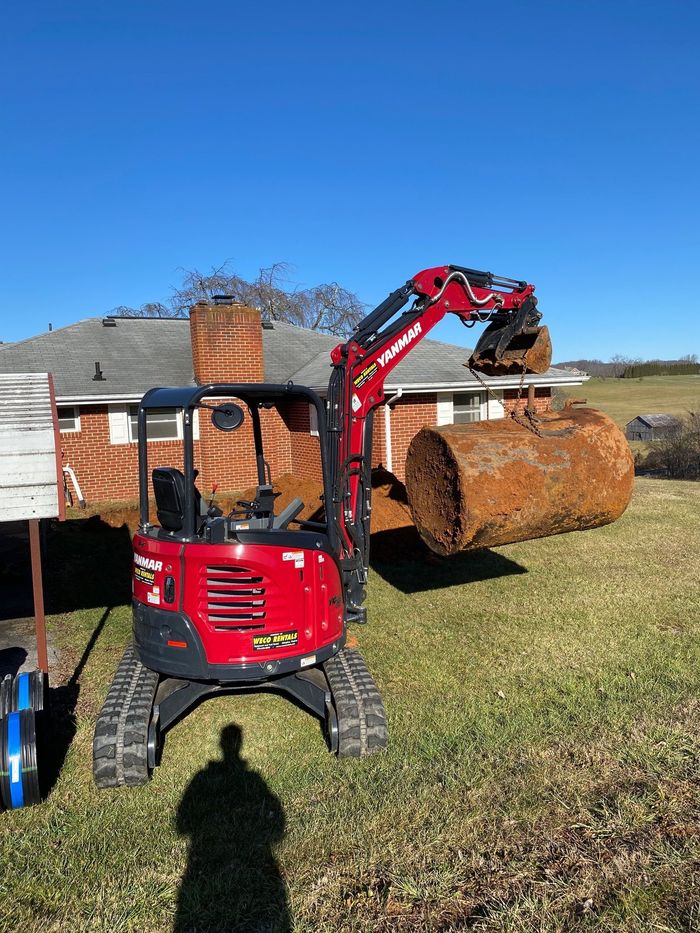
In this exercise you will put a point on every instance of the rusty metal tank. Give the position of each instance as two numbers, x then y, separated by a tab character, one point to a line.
496	482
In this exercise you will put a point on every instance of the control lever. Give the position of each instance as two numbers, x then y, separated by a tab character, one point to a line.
213	511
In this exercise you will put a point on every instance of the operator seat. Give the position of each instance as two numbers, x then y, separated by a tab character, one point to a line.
169	490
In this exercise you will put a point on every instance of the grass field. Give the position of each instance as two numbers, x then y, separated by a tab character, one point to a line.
624	399
543	773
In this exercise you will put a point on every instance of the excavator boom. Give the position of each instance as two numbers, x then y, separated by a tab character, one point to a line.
512	343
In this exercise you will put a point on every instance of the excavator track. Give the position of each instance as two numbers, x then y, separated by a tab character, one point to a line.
362	727
120	745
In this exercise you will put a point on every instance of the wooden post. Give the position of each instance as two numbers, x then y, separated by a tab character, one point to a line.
38	587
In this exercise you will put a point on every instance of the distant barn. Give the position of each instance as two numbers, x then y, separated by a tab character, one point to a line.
650	427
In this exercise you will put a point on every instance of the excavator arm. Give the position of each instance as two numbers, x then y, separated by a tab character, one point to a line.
513	342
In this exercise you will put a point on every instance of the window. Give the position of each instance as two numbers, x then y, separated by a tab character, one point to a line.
466	407
163	425
68	419
313	421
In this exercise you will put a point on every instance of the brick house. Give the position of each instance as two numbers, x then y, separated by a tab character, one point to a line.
103	366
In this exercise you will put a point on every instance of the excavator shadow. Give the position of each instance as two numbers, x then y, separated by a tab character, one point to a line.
417	570
88	565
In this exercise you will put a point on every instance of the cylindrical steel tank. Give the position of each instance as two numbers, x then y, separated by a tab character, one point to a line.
496	482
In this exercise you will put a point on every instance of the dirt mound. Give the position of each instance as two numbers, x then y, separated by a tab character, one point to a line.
394	535
289	487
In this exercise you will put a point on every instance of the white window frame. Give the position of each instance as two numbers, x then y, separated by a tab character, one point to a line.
491	408
313	421
133	431
475	406
76	419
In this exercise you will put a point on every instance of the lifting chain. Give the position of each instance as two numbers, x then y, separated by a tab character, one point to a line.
529	420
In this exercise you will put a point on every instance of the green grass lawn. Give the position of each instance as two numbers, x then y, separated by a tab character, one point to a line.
624	399
543	771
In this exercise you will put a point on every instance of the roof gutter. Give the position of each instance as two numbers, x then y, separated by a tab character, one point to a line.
96	399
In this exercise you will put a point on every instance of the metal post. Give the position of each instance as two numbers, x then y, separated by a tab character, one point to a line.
38	587
531	398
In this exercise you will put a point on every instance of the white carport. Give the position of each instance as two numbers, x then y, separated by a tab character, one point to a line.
31	476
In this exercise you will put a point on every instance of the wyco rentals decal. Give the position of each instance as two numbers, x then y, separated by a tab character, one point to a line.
275	640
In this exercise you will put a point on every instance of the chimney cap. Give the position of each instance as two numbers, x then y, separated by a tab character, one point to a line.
223	299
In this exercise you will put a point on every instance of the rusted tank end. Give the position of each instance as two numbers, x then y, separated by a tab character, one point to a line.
497	482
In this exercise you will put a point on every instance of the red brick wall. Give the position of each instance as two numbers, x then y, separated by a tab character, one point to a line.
409	414
110	471
543	399
304	449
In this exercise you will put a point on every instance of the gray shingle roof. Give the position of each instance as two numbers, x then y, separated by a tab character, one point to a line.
430	362
657	421
134	356
138	353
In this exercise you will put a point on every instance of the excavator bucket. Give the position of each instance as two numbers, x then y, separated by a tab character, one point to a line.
509	346
531	350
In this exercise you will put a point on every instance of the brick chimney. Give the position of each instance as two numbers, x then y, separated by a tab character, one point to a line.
226	347
226	342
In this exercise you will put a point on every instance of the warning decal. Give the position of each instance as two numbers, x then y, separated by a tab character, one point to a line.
367	373
275	640
296	556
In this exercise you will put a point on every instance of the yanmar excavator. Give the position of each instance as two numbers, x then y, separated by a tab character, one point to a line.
255	600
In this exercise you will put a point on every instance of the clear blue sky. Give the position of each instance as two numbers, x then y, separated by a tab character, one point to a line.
554	141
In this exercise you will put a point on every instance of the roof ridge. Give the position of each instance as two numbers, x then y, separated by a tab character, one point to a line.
308	362
50	333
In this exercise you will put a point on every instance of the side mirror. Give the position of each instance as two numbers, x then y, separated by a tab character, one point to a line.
227	417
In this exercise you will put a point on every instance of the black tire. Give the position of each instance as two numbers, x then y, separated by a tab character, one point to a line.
30	691
120	745
362	726
19	774
6	695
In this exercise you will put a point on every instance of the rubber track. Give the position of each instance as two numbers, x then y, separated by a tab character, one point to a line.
362	728
119	748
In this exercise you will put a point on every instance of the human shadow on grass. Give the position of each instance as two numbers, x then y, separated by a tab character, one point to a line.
232	880
401	558
63	703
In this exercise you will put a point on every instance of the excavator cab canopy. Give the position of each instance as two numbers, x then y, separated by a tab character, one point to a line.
177	497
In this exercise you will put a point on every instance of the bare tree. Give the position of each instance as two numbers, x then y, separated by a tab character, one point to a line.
329	308
679	451
150	309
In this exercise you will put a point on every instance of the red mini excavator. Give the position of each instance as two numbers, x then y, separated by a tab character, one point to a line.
259	600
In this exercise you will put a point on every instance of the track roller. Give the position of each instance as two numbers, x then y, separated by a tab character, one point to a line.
120	746
359	727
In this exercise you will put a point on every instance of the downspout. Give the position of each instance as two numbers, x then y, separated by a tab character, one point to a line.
68	470
387	429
